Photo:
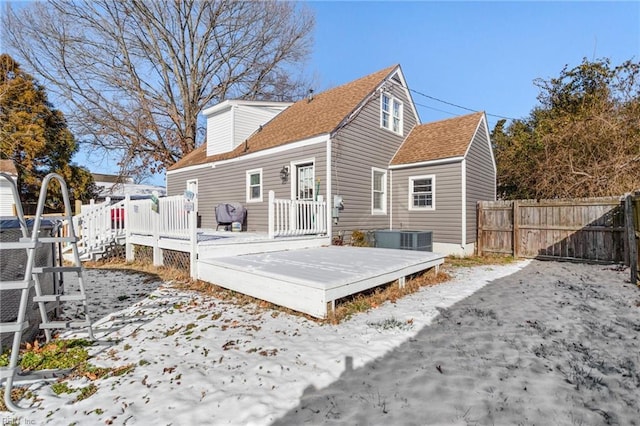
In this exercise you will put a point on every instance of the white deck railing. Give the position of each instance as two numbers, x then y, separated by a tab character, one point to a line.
296	217
171	219
100	224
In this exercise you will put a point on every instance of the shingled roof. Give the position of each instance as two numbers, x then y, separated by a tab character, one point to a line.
302	120
438	140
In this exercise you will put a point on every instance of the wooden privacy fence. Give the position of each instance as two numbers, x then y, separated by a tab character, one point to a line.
592	229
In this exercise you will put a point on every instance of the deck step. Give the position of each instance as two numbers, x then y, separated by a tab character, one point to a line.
6	372
16	245
64	324
16	285
13	327
53	239
47	269
60	298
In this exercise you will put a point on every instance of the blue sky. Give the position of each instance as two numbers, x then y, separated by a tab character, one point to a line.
480	55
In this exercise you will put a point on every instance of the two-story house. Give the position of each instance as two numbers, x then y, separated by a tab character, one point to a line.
359	145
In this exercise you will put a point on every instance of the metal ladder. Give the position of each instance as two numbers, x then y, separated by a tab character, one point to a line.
32	279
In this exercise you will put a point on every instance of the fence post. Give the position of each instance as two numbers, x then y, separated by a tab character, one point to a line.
272	201
127	229
157	252
631	238
516	228
193	233
319	215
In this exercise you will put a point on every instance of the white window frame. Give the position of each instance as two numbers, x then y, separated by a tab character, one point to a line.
393	114
383	210
433	193
249	186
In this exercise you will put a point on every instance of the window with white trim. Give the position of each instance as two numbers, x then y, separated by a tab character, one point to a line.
254	186
391	113
422	190
378	191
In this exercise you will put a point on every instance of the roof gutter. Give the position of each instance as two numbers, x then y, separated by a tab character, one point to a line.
427	163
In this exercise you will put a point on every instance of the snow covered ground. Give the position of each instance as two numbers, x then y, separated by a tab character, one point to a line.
200	360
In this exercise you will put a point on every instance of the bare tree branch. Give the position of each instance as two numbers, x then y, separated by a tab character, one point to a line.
134	75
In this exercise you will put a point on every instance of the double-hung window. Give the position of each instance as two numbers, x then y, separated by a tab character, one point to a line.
391	113
422	190
378	191
254	186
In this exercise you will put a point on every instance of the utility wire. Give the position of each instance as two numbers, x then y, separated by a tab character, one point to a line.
456	105
435	109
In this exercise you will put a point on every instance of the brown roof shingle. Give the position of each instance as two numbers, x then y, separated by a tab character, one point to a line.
304	119
438	140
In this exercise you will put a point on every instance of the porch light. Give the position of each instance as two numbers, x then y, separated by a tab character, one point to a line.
284	174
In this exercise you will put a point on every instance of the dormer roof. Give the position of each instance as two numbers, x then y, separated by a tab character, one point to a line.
305	119
439	140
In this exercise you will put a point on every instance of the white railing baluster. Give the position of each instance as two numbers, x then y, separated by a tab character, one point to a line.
296	217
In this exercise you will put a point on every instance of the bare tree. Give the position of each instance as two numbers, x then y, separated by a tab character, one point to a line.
135	74
582	141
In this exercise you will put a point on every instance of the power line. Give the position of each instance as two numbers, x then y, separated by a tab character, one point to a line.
435	109
456	105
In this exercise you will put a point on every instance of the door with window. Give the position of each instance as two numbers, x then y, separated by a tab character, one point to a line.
303	192
304	182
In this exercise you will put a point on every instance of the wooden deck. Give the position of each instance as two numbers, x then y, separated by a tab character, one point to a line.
307	280
213	244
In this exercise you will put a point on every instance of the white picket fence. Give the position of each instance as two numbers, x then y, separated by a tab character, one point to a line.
171	220
296	217
100	225
174	217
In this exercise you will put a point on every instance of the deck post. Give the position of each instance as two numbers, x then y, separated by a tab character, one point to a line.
127	229
155	226
272	202
193	233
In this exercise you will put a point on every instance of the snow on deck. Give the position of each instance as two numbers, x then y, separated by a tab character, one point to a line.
307	279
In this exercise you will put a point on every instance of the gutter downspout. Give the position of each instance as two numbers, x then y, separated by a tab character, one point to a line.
390	199
329	192
463	166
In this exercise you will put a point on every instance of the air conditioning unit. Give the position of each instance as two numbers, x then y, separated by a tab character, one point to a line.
405	240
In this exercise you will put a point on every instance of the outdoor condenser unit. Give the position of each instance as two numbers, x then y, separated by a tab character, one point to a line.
405	240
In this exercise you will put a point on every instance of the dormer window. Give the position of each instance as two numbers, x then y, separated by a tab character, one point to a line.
391	113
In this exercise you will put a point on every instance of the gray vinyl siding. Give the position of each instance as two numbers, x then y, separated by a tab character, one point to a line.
226	182
446	220
356	148
481	179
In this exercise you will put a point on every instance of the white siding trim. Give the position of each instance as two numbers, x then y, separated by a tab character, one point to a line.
329	191
433	193
276	150
383	211
263	153
404	85
189	168
463	186
248	180
390	199
427	163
